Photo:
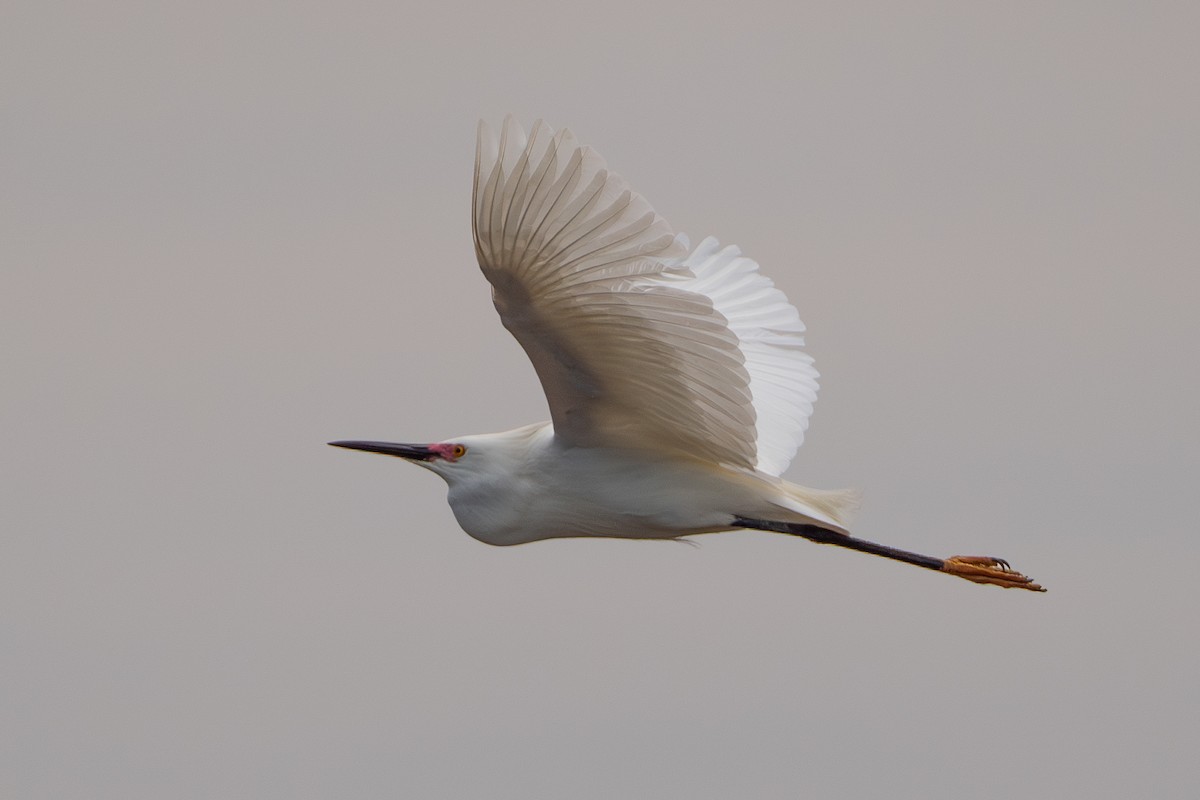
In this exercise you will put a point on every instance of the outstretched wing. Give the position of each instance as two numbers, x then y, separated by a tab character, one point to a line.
636	343
783	380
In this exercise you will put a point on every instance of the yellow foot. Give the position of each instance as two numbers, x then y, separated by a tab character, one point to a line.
984	569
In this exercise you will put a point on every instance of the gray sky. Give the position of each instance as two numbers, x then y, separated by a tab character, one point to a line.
232	232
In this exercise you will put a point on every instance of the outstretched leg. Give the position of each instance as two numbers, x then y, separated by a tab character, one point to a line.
980	569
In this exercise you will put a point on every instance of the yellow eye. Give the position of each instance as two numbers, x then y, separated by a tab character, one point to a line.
459	450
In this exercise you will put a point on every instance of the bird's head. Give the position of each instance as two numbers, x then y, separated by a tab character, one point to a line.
444	458
477	457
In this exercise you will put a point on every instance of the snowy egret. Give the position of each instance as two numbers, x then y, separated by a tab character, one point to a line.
676	378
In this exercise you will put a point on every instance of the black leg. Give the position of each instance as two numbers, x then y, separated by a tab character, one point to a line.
979	569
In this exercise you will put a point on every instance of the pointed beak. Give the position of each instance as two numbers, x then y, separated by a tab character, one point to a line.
413	452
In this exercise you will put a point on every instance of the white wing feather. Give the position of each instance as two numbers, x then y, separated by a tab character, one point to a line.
783	380
636	343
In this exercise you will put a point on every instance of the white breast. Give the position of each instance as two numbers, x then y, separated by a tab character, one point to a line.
555	491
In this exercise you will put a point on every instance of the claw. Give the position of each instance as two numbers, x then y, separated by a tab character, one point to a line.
985	569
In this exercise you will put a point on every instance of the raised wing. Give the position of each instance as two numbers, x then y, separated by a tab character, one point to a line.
636	344
783	380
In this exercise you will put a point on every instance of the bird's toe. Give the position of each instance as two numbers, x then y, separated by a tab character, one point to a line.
986	569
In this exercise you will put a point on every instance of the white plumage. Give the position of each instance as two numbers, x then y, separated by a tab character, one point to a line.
677	382
635	342
783	381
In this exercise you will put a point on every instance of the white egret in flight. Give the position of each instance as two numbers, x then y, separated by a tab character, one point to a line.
677	382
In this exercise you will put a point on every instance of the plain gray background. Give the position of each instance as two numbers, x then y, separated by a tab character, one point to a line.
234	231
